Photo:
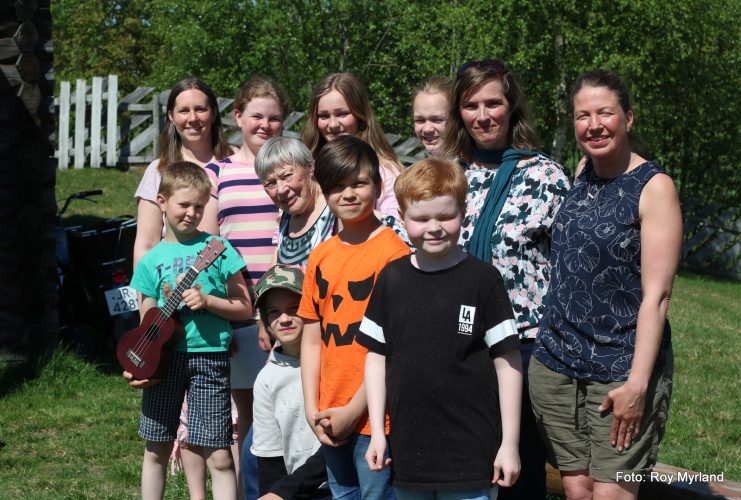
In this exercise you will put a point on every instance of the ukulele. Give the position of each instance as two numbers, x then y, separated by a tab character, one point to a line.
143	351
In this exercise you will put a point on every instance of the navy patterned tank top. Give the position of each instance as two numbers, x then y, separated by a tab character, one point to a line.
588	330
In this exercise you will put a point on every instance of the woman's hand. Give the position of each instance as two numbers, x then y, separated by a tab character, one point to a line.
264	340
627	403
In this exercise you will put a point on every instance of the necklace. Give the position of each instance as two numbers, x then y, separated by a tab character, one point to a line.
596	184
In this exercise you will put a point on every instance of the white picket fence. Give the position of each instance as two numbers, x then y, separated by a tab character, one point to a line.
133	124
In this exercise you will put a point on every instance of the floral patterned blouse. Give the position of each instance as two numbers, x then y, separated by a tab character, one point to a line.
522	239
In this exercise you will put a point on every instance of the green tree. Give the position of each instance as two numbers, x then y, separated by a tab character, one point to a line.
101	37
681	59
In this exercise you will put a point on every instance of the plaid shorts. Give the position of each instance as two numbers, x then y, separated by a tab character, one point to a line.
205	377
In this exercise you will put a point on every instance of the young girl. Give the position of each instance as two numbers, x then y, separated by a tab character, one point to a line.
340	106
248	219
430	107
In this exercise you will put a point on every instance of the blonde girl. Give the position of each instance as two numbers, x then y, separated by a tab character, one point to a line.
248	218
430	109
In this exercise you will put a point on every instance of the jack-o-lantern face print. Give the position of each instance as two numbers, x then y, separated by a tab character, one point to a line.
352	299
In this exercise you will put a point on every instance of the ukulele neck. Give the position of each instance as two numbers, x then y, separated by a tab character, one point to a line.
177	295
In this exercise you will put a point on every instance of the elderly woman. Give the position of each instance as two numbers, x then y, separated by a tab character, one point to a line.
286	169
514	192
602	367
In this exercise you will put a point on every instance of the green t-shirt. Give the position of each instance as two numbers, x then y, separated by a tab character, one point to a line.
204	331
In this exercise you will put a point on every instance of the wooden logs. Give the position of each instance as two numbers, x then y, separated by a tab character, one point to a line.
29	321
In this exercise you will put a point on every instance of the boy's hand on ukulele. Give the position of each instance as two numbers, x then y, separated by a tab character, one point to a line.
194	299
376	451
139	384
338	422
506	466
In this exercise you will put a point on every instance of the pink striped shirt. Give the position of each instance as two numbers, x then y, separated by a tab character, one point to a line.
247	217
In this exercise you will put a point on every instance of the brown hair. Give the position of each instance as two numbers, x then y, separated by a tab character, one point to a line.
603	78
184	174
170	142
342	157
260	86
431	178
612	81
457	143
369	130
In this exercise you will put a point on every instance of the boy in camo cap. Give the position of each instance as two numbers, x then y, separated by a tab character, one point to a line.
289	459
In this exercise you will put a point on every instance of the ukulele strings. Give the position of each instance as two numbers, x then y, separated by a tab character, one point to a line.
202	262
151	334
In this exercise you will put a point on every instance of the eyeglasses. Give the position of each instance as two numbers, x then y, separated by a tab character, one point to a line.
488	65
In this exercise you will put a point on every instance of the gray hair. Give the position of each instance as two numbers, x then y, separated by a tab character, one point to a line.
279	151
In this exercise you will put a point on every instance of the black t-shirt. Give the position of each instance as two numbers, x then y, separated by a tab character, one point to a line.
439	331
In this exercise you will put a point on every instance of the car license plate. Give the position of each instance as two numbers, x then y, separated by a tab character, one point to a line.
121	300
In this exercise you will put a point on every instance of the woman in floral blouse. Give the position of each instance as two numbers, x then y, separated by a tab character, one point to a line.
514	192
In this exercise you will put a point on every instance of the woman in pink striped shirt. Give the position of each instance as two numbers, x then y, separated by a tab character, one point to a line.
248	218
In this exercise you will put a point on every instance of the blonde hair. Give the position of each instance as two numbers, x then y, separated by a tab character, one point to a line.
369	130
184	174
260	86
457	143
431	178
435	85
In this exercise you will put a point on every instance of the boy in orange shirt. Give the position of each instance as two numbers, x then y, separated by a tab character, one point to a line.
339	279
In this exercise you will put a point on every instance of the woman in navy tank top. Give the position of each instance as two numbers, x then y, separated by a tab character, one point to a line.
600	380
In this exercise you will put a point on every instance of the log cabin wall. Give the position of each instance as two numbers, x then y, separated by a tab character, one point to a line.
28	294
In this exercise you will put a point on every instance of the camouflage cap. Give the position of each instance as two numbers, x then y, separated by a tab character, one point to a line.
278	276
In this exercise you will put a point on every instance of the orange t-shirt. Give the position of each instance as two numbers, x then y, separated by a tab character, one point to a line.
338	283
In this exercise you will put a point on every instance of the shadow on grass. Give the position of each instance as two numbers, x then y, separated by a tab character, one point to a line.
13	376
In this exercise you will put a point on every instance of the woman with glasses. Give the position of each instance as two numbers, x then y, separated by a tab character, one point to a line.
514	192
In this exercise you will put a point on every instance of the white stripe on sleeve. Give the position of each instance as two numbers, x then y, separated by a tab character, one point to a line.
371	329
499	332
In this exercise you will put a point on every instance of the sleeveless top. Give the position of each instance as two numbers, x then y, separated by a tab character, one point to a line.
295	251
589	328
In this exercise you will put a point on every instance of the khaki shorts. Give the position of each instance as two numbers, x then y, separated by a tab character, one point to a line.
577	435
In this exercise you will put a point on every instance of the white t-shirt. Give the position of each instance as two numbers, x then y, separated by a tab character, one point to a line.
279	425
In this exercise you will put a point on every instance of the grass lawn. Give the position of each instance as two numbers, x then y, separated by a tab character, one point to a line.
704	429
118	193
68	427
